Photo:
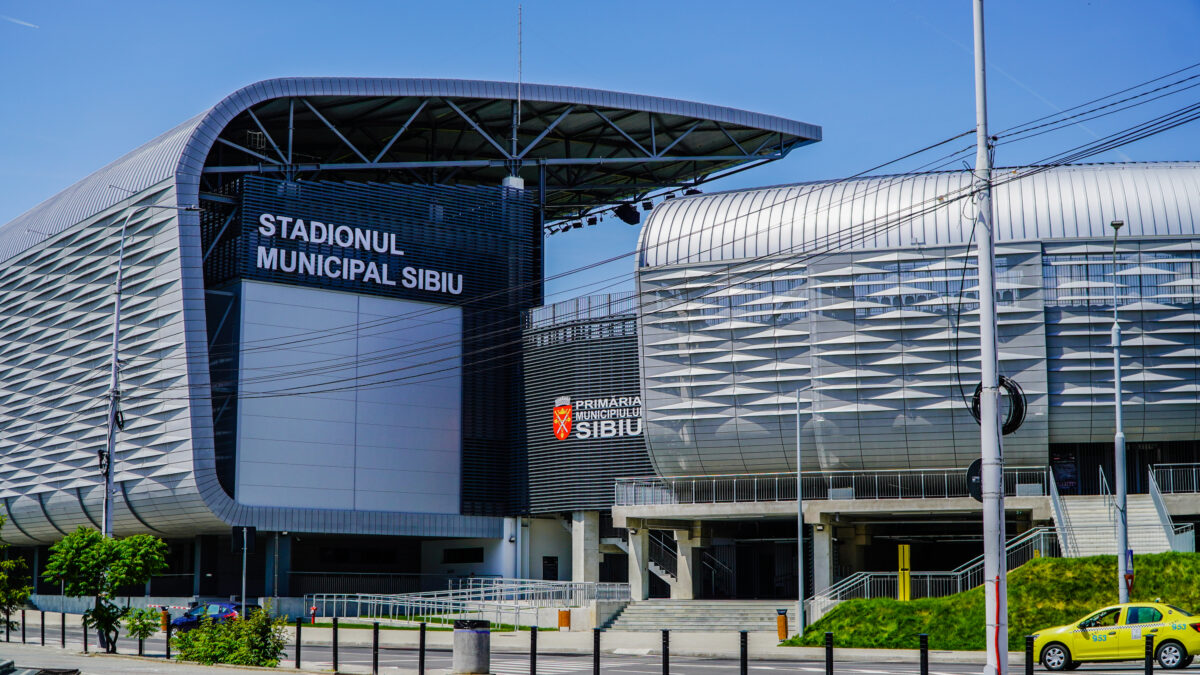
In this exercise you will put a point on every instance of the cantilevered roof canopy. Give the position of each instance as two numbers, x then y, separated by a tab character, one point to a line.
591	149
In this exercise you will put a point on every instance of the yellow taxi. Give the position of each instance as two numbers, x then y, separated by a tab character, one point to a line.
1118	633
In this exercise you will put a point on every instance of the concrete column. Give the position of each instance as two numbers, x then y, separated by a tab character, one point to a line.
639	563
585	546
822	566
684	587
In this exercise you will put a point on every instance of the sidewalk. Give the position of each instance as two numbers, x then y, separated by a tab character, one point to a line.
763	646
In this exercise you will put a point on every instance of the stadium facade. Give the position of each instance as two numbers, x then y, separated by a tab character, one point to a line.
333	331
320	337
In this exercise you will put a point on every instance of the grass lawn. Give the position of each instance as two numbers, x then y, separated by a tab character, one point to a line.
1042	593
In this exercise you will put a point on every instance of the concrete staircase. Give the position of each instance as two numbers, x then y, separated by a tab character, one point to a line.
701	615
1089	521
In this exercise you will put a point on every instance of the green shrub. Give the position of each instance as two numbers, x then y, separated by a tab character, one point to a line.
257	640
1042	593
142	623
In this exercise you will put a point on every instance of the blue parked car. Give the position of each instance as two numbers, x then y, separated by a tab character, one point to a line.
219	612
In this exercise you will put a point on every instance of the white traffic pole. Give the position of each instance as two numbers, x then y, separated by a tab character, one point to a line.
1119	437
995	586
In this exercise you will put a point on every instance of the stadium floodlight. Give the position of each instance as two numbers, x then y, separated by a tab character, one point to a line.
576	225
692	191
647	205
628	213
592	220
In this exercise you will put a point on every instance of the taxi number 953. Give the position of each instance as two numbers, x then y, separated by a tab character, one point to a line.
1099	638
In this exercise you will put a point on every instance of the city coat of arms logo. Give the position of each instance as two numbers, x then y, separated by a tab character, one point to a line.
562	417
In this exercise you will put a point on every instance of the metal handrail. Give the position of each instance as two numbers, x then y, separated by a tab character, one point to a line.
1164	517
663	552
818	485
1038	542
1066	534
1113	512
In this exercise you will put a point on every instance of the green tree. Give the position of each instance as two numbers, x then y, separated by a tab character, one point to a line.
89	564
14	590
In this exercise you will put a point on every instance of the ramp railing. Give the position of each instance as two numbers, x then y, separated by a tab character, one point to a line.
1036	543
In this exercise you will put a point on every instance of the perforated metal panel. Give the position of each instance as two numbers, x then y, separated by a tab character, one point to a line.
582	360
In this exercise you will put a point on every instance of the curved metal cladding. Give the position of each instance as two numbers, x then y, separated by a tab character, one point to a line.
56	275
862	296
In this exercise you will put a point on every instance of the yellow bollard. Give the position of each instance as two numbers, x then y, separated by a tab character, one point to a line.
904	579
781	624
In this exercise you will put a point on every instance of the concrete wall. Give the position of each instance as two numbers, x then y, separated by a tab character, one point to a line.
498	556
548	538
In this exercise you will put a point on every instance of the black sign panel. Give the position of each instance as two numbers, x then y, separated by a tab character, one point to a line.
427	243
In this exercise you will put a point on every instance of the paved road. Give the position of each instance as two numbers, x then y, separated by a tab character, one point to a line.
394	661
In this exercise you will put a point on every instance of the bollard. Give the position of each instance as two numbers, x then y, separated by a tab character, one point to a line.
781	624
299	623
472	646
595	651
22	626
1029	660
164	619
43	627
666	659
168	642
1149	654
924	639
743	660
7	626
828	653
335	648
62	629
141	647
375	648
533	650
85	640
421	652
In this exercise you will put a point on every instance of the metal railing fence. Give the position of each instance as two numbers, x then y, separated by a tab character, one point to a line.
512	602
1177	478
1038	542
822	485
586	308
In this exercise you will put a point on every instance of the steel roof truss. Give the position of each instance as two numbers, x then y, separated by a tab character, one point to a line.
478	129
335	130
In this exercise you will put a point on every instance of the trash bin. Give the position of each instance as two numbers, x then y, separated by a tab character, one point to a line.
472	647
564	619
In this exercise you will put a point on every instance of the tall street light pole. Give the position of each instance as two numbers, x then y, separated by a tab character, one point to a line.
1119	435
995	588
115	420
800	618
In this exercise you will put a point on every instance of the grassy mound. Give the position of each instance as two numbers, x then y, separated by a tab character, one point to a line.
1042	593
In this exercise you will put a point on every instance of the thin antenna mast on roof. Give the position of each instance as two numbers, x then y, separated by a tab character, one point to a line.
520	64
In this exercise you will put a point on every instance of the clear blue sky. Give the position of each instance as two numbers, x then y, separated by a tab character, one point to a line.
93	80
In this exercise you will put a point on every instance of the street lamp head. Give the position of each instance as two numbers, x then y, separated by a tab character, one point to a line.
1117	225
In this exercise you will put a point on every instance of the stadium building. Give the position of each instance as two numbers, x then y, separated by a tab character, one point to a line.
320	326
851	308
332	329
